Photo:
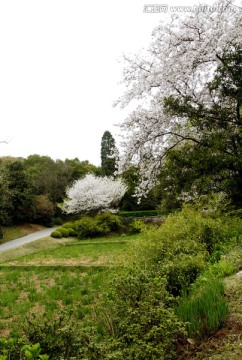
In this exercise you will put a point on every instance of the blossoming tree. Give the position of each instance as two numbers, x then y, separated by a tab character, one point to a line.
177	69
94	193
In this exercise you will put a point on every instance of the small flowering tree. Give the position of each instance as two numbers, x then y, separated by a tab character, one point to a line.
94	193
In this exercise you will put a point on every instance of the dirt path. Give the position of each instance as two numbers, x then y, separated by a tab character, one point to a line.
26	239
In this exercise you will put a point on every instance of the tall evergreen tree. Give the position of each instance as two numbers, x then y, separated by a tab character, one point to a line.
107	154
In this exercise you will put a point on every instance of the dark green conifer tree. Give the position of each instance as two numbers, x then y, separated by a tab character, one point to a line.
107	154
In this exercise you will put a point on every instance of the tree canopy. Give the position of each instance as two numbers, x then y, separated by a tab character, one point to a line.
188	86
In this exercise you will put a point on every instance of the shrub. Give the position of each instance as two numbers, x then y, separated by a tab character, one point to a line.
182	272
136	226
88	227
57	221
64	232
69	224
1	232
72	232
17	348
180	247
110	221
189	231
56	234
138	318
57	336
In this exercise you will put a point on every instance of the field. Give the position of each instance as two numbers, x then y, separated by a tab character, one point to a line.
49	275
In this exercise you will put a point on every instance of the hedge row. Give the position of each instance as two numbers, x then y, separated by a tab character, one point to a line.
139	213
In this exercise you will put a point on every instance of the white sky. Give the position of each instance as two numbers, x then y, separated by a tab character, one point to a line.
59	72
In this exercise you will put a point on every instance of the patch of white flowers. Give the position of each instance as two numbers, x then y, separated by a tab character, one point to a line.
94	193
181	60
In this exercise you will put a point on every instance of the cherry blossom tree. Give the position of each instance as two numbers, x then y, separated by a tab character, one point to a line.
94	193
179	65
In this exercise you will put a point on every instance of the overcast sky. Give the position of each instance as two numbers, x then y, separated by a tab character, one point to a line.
60	68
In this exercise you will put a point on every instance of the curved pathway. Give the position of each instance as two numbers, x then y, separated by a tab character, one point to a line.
26	239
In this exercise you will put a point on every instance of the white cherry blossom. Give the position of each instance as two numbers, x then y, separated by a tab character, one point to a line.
180	61
94	193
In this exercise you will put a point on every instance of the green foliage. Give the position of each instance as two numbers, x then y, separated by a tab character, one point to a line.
91	227
31	188
139	213
107	156
57	221
204	306
14	348
32	352
57	335
138	318
64	232
88	227
1	232
213	159
191	237
131	178
16	204
56	234
70	224
44	210
110	221
136	226
72	232
182	272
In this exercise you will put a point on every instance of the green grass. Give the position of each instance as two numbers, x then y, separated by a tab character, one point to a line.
204	310
52	274
43	290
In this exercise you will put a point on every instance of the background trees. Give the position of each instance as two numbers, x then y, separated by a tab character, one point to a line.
189	89
31	188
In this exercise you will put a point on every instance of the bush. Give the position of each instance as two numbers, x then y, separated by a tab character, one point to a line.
64	232
72	232
138	319
191	237
88	227
17	348
56	234
69	224
57	221
1	232
110	221
57	336
136	226
182	272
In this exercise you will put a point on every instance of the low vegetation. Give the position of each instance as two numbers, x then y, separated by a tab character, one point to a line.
124	296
